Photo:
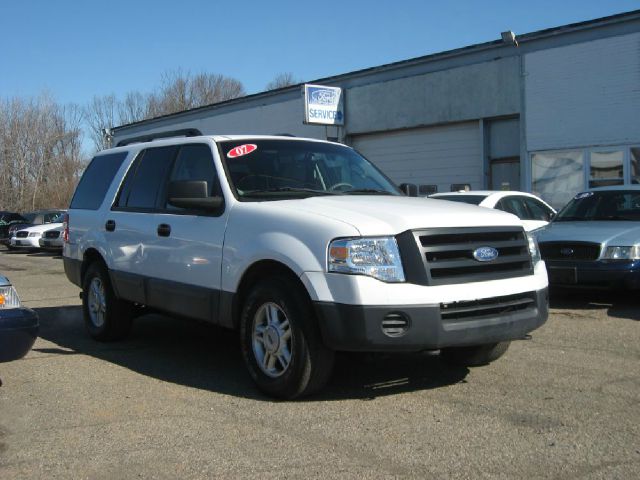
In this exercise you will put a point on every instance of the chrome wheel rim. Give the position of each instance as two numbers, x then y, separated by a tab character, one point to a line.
272	340
97	302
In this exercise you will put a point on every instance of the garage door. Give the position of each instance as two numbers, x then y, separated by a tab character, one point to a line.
441	156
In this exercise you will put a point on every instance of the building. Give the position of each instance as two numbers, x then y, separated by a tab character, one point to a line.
551	112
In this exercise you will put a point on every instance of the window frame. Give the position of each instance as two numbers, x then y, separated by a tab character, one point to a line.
161	196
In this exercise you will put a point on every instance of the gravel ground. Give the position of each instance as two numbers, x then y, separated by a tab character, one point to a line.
174	401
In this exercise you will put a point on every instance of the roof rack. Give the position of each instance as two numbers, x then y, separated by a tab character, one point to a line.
184	132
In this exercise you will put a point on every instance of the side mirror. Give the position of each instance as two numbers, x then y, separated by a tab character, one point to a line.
409	189
192	194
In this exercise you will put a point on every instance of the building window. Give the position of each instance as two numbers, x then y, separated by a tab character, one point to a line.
606	168
557	176
635	164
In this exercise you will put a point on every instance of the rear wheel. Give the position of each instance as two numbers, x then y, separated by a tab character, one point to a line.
106	317
475	355
281	344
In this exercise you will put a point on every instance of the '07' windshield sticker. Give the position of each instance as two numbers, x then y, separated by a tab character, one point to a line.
241	150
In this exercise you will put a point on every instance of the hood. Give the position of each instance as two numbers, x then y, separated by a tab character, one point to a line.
604	232
43	228
390	215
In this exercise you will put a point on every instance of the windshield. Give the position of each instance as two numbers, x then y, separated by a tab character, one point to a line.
30	217
276	169
604	205
472	199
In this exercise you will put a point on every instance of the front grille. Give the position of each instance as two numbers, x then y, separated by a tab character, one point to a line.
22	234
52	234
570	251
487	307
446	255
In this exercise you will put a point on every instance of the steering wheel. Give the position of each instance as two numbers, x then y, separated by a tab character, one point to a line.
340	186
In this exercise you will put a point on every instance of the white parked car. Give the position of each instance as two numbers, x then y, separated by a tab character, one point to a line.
533	211
29	238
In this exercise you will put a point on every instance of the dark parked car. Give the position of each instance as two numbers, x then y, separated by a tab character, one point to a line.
38	217
7	219
18	324
595	240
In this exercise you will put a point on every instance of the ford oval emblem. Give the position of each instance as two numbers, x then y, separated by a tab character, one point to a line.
485	254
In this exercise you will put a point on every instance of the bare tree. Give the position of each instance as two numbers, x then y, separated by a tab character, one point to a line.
40	153
183	91
133	108
99	115
178	92
282	80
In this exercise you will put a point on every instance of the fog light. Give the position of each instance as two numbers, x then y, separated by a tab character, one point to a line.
395	324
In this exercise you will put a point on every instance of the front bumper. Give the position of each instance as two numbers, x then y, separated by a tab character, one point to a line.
27	242
50	243
361	328
608	274
18	332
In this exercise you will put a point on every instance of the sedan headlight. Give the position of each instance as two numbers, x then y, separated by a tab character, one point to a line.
376	257
622	253
534	249
35	234
8	298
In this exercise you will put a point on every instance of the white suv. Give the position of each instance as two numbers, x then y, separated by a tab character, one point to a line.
304	247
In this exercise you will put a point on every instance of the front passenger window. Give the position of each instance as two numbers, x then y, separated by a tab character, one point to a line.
195	162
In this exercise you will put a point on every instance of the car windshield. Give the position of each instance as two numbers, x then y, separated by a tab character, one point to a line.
30	217
602	205
472	199
55	217
277	169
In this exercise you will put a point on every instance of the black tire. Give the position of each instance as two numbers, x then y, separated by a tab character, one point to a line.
109	319
475	355
283	365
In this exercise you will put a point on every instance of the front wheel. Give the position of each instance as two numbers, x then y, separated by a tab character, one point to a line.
475	355
106	317
281	344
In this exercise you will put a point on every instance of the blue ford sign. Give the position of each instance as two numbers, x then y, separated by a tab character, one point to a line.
323	105
485	254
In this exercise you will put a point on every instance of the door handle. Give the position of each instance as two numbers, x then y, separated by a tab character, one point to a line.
110	226
164	230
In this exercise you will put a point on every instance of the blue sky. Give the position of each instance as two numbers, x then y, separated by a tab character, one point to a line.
77	49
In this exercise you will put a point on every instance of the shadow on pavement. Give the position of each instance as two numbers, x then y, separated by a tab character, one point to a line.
619	304
206	357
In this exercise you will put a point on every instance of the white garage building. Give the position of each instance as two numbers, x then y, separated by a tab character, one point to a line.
552	112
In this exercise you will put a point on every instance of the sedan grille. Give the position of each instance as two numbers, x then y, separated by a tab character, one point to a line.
570	251
22	234
52	234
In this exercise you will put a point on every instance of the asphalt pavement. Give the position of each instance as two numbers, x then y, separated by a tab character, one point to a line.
174	401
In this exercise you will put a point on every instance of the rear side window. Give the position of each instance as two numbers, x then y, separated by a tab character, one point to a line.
146	178
96	180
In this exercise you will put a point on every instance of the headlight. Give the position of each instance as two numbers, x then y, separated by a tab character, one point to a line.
8	298
375	257
534	250
35	234
622	253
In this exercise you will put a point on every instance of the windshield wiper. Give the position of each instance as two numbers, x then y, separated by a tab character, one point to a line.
287	190
609	217
367	190
570	219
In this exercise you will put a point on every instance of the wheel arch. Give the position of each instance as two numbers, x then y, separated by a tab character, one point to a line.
90	256
257	272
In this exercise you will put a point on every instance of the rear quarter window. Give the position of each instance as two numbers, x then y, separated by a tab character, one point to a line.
96	180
